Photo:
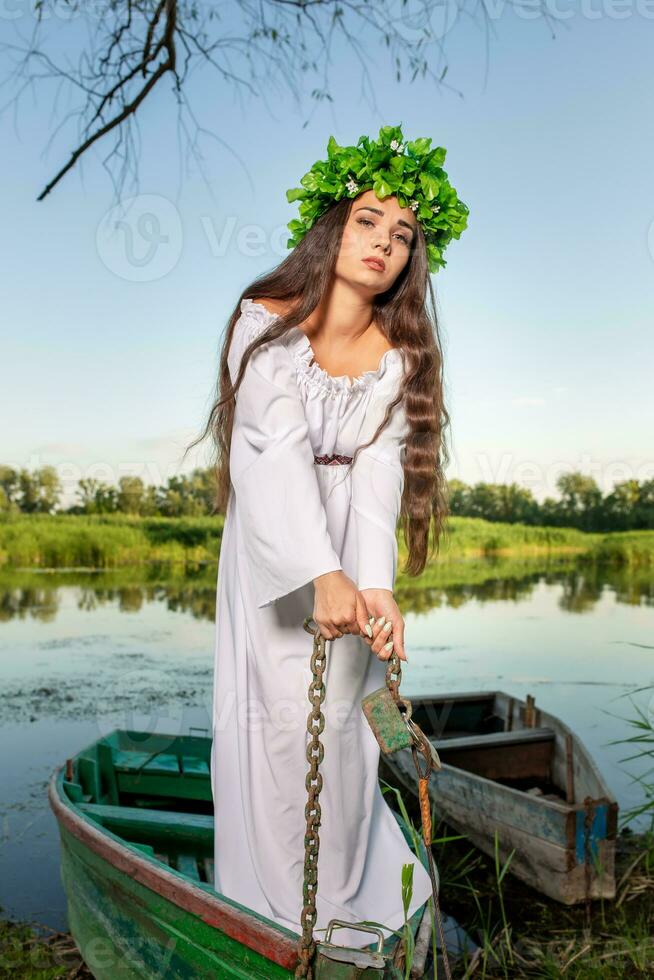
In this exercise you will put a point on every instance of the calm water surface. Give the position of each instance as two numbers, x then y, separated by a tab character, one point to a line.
83	654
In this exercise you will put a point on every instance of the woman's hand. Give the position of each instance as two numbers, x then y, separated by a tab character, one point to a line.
339	607
384	611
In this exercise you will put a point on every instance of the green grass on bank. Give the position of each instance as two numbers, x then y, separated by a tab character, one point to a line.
118	540
108	540
28	953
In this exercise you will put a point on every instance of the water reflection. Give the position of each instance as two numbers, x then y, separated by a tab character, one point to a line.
453	584
82	653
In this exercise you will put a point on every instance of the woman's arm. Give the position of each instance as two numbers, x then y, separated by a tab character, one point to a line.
277	496
377	484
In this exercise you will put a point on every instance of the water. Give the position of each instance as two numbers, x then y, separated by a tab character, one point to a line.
81	655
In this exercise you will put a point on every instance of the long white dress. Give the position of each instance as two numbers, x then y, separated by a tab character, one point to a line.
290	519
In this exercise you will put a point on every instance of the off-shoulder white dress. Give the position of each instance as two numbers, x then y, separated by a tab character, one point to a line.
290	519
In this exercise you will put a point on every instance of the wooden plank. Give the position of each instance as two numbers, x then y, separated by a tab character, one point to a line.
194	767
165	785
187	864
523	736
146	762
207	864
460	713
145	848
569	773
130	761
107	774
89	777
138	823
489	803
523	761
542	864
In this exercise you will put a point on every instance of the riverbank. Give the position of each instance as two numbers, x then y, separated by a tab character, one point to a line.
39	953
520	934
110	541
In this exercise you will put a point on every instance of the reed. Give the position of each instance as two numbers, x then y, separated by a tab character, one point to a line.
120	540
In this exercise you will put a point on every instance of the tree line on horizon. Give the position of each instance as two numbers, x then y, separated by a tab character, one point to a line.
629	506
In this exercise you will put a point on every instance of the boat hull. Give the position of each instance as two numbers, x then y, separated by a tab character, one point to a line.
563	847
132	921
137	839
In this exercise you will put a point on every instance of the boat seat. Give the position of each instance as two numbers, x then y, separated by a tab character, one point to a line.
526	753
494	739
161	774
142	825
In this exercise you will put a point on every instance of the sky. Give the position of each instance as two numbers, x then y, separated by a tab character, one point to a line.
110	342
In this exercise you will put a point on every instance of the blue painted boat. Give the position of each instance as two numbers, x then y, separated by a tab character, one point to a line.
509	768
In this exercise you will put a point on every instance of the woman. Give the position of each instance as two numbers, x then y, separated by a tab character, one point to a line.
319	354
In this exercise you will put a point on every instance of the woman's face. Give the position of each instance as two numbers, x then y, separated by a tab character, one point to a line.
375	230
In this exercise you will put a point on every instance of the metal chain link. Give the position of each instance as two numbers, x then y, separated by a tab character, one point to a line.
315	753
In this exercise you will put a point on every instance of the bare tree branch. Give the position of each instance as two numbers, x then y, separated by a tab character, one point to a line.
254	45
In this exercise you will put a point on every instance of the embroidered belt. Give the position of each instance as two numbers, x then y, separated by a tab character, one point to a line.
333	460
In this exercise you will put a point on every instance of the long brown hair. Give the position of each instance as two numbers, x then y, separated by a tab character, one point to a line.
302	279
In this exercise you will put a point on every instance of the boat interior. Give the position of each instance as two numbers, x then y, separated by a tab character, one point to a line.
154	792
493	736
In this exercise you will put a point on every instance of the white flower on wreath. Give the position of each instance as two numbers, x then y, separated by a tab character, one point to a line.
436	208
414	205
352	185
397	146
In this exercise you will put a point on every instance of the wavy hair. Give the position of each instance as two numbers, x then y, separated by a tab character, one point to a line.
301	280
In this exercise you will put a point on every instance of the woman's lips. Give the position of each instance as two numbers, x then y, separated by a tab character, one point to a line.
375	264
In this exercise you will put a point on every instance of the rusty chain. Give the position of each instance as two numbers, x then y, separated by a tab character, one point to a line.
315	752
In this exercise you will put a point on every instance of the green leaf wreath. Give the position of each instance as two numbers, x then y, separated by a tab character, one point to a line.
390	166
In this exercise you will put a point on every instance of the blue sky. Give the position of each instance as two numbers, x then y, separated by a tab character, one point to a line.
545	305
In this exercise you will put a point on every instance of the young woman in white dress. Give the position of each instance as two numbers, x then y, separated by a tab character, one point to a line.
317	355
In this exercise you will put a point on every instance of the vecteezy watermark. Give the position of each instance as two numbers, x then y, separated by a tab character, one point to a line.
508	468
410	20
142	700
426	22
140	239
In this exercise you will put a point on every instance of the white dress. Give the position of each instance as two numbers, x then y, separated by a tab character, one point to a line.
289	520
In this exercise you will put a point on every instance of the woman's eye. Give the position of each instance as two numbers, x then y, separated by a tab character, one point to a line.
367	221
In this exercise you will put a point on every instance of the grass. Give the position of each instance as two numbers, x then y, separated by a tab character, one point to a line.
106	541
27	953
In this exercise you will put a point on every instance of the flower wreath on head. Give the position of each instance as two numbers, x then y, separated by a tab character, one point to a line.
411	171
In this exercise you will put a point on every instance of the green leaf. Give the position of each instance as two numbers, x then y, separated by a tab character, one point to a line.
420	146
389	133
397	164
332	147
382	188
437	157
430	186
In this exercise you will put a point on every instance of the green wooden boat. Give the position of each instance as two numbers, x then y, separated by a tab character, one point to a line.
135	817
